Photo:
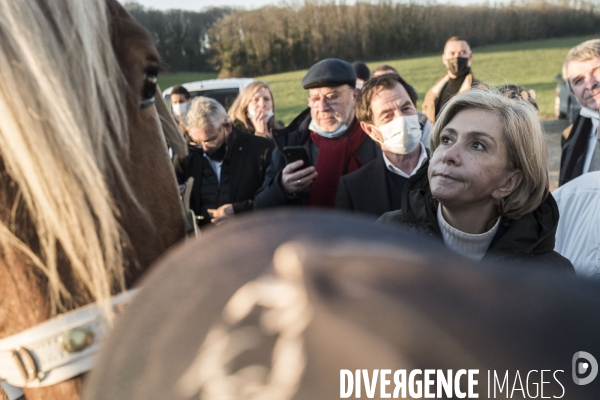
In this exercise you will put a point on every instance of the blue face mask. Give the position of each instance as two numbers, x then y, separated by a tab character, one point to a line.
269	114
329	135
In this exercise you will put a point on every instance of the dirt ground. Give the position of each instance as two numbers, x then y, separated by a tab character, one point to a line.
554	129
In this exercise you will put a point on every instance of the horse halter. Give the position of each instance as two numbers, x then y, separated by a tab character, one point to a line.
58	349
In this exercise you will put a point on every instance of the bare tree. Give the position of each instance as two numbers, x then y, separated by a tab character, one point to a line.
181	37
274	39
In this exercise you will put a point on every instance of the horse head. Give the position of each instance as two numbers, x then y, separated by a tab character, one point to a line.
88	199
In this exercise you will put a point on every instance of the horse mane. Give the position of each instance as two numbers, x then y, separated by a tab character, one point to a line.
63	129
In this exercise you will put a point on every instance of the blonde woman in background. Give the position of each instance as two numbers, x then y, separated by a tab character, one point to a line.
253	110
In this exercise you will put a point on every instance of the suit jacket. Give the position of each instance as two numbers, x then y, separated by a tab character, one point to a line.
249	157
574	149
365	190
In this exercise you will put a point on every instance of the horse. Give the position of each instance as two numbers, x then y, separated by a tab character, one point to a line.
88	197
307	305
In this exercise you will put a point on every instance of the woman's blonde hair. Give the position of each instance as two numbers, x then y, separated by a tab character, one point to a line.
524	139
239	109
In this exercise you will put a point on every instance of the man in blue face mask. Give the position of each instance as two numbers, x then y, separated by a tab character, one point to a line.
457	58
328	131
386	110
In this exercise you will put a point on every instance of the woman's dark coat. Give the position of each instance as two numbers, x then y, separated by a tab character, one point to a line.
526	241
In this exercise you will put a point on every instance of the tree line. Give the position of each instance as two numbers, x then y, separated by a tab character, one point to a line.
181	37
275	39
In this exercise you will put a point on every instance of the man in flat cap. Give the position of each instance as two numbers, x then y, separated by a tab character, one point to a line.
329	133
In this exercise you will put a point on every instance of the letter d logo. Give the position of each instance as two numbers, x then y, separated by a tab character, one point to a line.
583	367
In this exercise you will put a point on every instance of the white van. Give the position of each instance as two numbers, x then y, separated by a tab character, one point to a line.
223	90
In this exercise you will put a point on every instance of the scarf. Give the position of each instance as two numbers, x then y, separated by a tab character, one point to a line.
336	158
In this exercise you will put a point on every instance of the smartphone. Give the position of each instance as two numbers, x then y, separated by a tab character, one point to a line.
295	153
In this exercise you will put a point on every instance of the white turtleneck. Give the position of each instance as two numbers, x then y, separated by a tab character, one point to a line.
472	246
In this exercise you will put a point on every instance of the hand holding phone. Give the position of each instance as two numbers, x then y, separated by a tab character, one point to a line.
295	153
298	173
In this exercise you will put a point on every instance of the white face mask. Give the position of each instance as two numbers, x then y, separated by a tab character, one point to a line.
181	109
270	113
329	135
401	135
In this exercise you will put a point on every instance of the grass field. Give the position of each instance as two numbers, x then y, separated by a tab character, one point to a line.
533	65
168	80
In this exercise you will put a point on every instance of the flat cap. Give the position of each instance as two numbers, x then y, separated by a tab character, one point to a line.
329	72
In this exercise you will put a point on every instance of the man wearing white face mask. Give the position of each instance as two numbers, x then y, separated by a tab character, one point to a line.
334	142
388	115
180	104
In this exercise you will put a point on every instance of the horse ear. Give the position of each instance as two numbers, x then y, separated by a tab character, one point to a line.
172	133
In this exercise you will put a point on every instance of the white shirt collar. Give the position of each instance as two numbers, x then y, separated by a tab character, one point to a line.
588	113
392	168
216	166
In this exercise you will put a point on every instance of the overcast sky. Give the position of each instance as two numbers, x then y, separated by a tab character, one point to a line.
196	5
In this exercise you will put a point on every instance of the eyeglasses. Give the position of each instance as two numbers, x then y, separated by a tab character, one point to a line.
214	141
331	99
209	143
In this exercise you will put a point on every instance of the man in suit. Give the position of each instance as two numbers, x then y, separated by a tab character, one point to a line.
426	125
388	115
228	166
580	149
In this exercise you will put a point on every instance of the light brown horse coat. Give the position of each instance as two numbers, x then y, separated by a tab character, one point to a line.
150	215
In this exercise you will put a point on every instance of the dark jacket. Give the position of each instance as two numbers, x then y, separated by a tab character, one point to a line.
574	149
240	127
526	241
272	194
430	103
246	160
366	190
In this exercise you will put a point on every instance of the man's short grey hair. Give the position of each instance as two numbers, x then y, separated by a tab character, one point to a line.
205	111
585	51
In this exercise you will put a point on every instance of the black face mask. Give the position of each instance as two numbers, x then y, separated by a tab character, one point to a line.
458	66
218	154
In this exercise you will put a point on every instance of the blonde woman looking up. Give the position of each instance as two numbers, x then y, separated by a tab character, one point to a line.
484	192
253	110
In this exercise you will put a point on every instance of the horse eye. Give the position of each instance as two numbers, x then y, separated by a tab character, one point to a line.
149	89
